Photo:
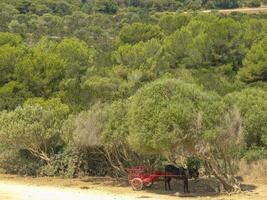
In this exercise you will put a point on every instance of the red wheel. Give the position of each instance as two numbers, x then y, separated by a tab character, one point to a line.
137	184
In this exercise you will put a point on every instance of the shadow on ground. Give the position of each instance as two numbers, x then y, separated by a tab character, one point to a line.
201	188
205	187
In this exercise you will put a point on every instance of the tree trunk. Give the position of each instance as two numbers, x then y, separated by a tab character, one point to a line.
40	154
229	182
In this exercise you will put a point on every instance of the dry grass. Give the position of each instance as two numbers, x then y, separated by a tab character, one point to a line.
255	171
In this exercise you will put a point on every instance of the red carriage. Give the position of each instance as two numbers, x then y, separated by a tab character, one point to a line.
139	179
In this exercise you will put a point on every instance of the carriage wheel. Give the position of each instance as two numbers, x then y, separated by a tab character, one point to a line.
137	184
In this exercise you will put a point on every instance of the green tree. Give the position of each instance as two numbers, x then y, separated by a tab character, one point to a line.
170	23
223	4
252	103
8	58
9	38
139	55
41	69
115	127
161	113
194	4
50	25
226	43
13	94
170	116
138	32
106	6
7	14
113	137
77	55
255	63
78	58
35	127
176	47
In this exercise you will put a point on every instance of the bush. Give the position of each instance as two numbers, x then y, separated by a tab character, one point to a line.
255	153
170	116
35	127
193	163
253	3
76	162
19	162
252	103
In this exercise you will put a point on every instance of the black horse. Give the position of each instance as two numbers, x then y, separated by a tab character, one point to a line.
181	174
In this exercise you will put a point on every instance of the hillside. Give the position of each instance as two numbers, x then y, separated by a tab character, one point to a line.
91	88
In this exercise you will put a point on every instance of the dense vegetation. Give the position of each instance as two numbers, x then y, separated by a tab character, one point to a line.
92	87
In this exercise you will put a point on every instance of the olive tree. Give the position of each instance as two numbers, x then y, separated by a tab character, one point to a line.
252	103
114	136
35	127
170	116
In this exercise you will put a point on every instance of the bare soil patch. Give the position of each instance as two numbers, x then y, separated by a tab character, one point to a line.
28	188
258	10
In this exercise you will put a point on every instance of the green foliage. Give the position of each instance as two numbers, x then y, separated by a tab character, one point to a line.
169	116
162	113
106	6
255	68
193	163
35	127
87	127
7	14
77	55
75	162
253	3
140	55
41	69
115	129
256	153
20	162
218	79
223	4
138	32
226	46
13	94
134	75
170	23
8	58
253	109
9	38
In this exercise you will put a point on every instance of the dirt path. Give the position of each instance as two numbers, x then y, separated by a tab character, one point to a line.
13	191
262	9
19	188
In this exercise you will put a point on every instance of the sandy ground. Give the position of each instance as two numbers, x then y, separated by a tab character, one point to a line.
26	188
262	9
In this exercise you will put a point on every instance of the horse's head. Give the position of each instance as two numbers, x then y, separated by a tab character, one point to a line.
193	173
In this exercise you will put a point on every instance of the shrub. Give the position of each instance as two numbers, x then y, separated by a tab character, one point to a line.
35	127
255	153
170	116
19	162
76	162
252	103
253	3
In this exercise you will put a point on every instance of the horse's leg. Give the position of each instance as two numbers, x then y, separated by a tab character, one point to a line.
169	183
165	180
186	185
